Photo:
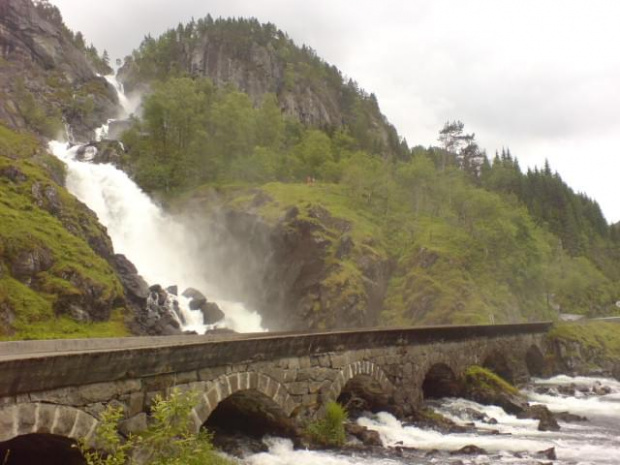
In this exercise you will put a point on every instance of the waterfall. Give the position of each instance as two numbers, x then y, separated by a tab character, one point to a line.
164	251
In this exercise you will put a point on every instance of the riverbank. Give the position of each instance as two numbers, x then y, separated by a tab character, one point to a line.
585	348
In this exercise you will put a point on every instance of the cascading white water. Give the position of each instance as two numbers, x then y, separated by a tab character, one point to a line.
129	106
509	441
161	248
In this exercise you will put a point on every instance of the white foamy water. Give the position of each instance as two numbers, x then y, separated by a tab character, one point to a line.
281	452
129	106
161	248
509	441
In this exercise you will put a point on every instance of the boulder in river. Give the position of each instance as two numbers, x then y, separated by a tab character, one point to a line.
547	453
547	421
211	312
567	417
470	449
485	387
367	436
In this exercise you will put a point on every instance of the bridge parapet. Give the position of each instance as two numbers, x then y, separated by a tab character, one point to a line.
296	373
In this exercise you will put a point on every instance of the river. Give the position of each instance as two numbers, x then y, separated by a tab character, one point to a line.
509	441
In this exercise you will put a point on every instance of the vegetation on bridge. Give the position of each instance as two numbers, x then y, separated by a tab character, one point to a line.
329	431
168	440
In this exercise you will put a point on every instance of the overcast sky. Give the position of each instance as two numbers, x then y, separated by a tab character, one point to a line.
541	77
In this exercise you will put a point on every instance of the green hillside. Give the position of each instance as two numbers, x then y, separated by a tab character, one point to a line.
52	283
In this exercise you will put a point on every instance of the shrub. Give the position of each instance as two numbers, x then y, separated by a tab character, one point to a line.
168	440
329	430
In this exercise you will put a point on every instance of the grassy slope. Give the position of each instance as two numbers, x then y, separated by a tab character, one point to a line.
597	337
436	279
24	226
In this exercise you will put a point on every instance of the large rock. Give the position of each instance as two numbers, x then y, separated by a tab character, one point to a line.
366	436
27	263
484	387
547	421
105	151
13	173
135	286
211	313
42	63
194	295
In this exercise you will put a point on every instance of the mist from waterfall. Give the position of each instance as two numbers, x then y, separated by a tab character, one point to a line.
163	249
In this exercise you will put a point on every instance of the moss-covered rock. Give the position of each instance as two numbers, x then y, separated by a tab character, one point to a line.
485	387
53	252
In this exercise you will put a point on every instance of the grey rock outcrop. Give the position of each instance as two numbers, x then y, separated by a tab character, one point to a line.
43	66
211	312
291	268
106	151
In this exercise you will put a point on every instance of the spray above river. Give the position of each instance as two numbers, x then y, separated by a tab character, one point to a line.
164	251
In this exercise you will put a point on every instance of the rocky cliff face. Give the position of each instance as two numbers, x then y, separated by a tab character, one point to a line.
587	348
259	59
46	79
256	71
301	270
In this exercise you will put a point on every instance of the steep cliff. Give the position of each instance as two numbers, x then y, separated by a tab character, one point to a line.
47	77
259	59
301	264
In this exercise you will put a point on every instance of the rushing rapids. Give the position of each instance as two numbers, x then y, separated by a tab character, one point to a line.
509	441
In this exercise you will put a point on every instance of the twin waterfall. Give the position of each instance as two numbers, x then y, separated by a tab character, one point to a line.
161	248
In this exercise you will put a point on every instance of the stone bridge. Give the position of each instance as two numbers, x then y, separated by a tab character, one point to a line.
61	387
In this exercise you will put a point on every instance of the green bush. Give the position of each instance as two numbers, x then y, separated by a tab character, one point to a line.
168	440
329	430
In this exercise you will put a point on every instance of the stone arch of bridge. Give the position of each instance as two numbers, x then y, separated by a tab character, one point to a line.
502	365
535	361
42	418
440	380
212	393
352	370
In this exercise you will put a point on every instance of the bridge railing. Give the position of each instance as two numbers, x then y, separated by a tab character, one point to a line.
41	365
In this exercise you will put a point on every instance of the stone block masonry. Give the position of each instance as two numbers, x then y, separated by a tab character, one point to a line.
62	387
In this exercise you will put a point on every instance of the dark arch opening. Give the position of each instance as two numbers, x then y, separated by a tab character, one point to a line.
40	449
535	362
363	393
498	364
440	381
247	413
